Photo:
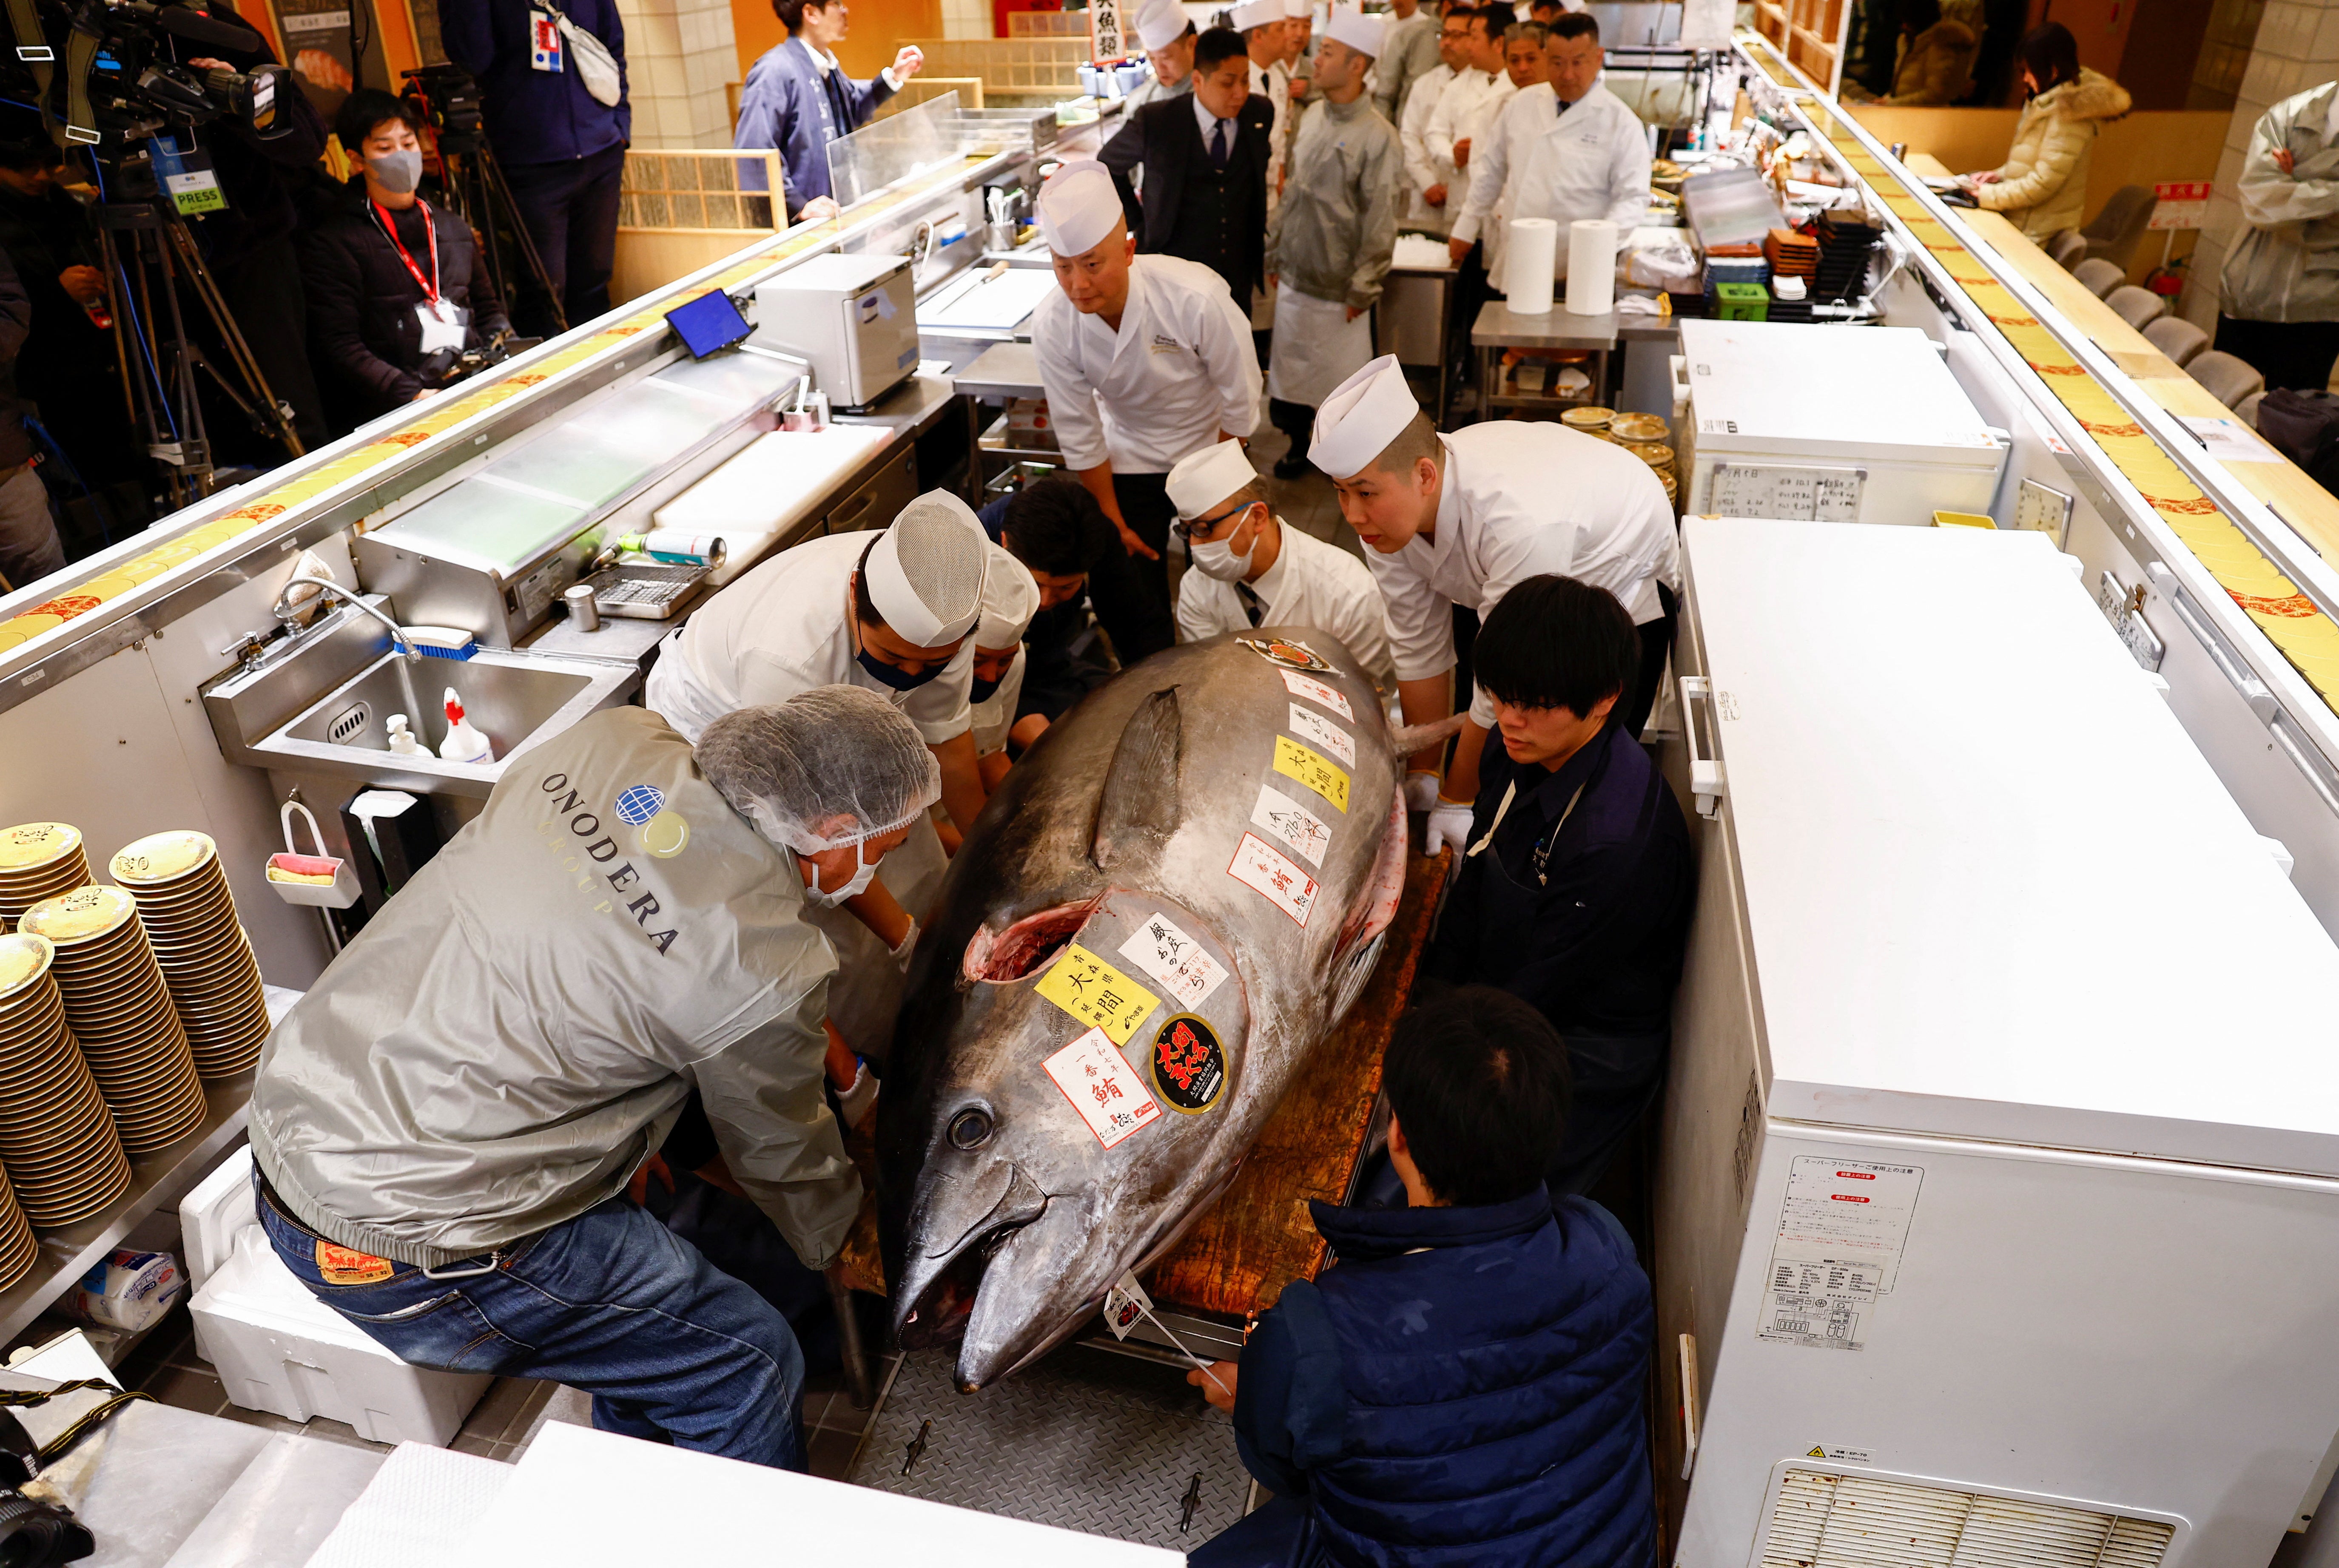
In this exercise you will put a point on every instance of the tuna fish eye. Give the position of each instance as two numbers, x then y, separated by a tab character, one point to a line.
970	1128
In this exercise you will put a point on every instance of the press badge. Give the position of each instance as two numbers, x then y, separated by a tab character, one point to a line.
187	175
543	42
443	325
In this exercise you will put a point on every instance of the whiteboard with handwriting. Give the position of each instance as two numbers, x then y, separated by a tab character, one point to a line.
1767	491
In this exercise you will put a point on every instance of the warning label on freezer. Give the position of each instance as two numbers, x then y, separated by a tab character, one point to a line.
1837	1253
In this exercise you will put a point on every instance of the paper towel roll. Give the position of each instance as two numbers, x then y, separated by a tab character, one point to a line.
1591	267
1531	257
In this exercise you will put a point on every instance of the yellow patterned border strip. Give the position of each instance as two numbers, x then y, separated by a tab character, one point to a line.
2307	637
441	415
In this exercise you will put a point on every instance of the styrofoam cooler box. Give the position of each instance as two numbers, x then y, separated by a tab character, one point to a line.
278	1348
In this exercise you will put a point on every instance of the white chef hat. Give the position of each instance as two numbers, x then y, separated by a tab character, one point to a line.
1078	207
1202	479
925	573
1299	10
1161	23
1361	416
1358	31
1009	600
1253	14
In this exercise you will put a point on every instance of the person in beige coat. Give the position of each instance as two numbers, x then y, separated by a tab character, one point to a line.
1936	67
2042	186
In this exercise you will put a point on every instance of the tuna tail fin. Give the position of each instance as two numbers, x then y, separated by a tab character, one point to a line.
1407	739
1138	808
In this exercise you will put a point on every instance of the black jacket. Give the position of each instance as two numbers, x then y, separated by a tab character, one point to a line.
1165	139
363	331
67	356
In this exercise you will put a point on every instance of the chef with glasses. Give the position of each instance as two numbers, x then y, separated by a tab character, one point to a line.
1248	569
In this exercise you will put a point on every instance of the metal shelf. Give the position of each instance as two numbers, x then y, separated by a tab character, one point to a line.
166	1176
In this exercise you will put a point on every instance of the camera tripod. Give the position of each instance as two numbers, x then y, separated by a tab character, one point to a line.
473	183
149	254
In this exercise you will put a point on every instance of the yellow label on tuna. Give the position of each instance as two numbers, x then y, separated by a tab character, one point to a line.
1295	760
1096	993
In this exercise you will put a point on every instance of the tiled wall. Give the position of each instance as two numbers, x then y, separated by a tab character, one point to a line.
680	56
966	18
2297	48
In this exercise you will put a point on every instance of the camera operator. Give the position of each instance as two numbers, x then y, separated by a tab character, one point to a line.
68	367
250	246
29	546
562	150
396	292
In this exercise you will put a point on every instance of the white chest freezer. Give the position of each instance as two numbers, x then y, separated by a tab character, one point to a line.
1998	1220
1839	424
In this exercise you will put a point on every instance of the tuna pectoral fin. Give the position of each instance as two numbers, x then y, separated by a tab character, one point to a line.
1137	810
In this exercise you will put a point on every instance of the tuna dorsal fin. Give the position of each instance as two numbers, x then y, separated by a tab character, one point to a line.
1138	808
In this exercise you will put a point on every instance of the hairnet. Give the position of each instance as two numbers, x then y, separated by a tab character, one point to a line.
925	574
829	752
1009	600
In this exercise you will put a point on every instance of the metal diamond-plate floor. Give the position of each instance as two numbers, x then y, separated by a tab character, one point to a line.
1084	1441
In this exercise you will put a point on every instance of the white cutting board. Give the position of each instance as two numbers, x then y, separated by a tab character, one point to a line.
775	483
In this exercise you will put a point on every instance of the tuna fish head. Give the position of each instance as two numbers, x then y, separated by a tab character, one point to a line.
1109	1000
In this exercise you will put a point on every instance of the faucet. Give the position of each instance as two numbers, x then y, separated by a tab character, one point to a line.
286	614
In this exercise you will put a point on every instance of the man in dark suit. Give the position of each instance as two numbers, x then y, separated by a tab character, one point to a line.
1203	159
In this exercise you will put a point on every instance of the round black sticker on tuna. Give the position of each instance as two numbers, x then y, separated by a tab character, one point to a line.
1189	1070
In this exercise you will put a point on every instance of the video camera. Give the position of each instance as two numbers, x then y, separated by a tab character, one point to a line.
122	78
450	100
445	367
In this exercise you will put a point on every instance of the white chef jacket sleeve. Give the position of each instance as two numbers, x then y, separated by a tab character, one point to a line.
1519	545
1198	616
1072	401
1628	175
767	678
1359	620
764	1100
1490	169
1419	619
1437	133
940	708
992	720
1411	133
1222	337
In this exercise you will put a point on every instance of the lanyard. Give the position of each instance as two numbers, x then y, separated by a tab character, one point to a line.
1543	850
430	233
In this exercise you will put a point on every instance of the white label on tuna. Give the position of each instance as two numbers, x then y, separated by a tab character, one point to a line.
1321	732
1316	692
1257	865
1179	962
1103	1087
1294	823
1837	1251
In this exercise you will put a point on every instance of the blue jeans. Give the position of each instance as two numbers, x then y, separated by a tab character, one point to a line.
611	1302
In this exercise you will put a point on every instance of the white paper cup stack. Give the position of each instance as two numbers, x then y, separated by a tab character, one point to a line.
58	1146
38	860
120	1014
189	918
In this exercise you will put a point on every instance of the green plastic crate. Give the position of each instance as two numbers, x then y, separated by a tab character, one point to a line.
1742	302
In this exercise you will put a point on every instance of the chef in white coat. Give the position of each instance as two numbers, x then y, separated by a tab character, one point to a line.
1144	359
1251	568
1168	37
888	611
1011	597
1457	519
1563	148
1264	27
1431	189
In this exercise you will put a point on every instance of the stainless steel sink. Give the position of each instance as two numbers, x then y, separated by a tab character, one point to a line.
321	705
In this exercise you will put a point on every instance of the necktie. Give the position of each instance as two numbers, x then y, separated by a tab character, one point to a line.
1218	162
1250	601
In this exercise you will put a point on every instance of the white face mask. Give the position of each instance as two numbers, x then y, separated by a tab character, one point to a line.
864	874
1217	557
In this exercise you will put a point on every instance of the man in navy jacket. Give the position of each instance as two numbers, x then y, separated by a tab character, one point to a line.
1463	1386
563	150
798	99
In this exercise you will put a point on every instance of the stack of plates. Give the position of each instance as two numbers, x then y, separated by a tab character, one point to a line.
63	1159
189	918
120	1014
37	860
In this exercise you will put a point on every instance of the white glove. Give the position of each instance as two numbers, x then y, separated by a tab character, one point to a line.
1420	790
901	954
854	1103
1449	823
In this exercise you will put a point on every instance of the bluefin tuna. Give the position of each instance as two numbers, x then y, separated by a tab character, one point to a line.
1154	923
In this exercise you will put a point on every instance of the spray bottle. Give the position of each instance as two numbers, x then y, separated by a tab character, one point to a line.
463	744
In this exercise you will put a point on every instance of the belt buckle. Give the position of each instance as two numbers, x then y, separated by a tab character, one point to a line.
471	1271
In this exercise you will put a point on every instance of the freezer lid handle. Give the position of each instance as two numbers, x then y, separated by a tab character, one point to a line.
1705	780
